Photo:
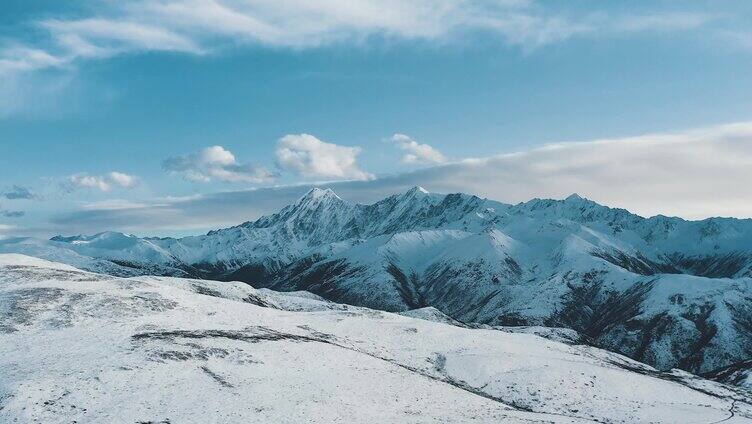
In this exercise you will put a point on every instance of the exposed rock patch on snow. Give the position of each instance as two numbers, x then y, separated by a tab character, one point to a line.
739	374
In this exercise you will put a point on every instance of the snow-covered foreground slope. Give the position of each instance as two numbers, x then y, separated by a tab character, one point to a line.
83	347
664	291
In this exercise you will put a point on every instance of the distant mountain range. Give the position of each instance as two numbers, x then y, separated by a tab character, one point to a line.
665	291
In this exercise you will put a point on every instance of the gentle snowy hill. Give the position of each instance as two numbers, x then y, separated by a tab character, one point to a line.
90	348
665	291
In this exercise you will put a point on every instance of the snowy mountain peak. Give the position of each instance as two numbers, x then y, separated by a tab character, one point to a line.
417	190
574	197
316	197
320	193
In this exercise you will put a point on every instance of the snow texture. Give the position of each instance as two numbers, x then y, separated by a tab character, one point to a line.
90	348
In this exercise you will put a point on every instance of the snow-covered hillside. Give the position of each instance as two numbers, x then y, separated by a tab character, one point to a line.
665	291
90	348
738	374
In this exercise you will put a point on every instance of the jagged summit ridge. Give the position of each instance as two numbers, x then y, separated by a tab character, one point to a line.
319	194
574	197
416	190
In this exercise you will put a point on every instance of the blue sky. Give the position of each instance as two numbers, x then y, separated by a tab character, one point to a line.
190	99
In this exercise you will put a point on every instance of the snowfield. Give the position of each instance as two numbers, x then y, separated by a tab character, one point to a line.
83	347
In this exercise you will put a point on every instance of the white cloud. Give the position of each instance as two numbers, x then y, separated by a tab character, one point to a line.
100	182
88	181
416	153
205	26
198	26
17	58
87	39
662	22
307	23
215	163
693	174
122	180
307	156
97	37
114	204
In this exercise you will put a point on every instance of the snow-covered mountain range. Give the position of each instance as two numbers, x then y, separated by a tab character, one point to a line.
665	291
80	347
